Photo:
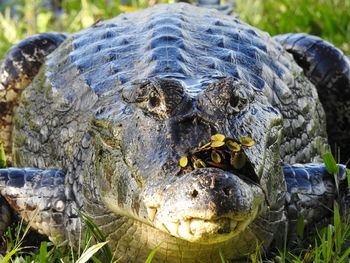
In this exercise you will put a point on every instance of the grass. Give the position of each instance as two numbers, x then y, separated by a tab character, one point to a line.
329	245
94	248
326	18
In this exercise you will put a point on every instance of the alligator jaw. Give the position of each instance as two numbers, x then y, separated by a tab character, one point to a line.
194	209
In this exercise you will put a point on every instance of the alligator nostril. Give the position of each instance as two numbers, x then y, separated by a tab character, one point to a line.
194	193
226	191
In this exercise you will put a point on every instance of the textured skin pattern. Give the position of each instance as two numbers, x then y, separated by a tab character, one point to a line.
37	196
117	104
5	215
310	186
196	50
328	68
21	63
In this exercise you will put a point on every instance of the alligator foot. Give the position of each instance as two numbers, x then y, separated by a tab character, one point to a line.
37	196
311	192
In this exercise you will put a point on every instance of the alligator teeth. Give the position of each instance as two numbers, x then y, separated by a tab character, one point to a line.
172	227
184	229
165	228
188	226
151	211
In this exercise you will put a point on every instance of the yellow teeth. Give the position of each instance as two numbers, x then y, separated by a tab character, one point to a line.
173	228
188	227
151	211
184	229
165	228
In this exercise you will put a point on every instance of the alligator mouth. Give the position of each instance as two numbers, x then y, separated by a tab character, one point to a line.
213	196
208	205
198	230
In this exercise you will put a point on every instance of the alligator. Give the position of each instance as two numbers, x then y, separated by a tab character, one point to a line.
96	122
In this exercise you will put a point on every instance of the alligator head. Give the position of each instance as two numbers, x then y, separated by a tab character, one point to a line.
143	129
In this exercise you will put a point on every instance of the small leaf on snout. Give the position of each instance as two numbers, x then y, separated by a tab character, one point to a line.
233	146
215	157
238	160
216	144
183	161
246	141
218	137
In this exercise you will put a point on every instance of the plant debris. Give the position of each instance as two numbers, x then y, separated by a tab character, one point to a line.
222	152
3	163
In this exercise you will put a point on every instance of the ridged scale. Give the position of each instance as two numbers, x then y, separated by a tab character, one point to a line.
189	46
196	47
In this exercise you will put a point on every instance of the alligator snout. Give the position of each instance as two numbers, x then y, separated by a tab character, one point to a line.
208	205
210	193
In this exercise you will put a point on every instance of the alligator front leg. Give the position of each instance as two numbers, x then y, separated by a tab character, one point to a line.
37	196
311	192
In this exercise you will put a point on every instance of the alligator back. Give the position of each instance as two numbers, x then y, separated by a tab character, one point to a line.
196	48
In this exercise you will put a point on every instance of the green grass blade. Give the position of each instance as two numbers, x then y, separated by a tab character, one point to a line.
20	238
152	254
10	254
348	177
92	226
116	261
330	163
317	252
345	255
332	168
323	245
329	243
90	252
337	228
300	227
337	219
43	252
98	235
222	257
96	260
2	156
309	255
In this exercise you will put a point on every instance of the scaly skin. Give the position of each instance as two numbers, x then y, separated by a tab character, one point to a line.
21	64
328	68
116	106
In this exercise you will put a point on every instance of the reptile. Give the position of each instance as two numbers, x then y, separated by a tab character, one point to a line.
95	122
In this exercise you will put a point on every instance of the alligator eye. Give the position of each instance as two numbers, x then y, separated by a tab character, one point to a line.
226	96
136	93
238	102
162	98
154	101
234	101
240	98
